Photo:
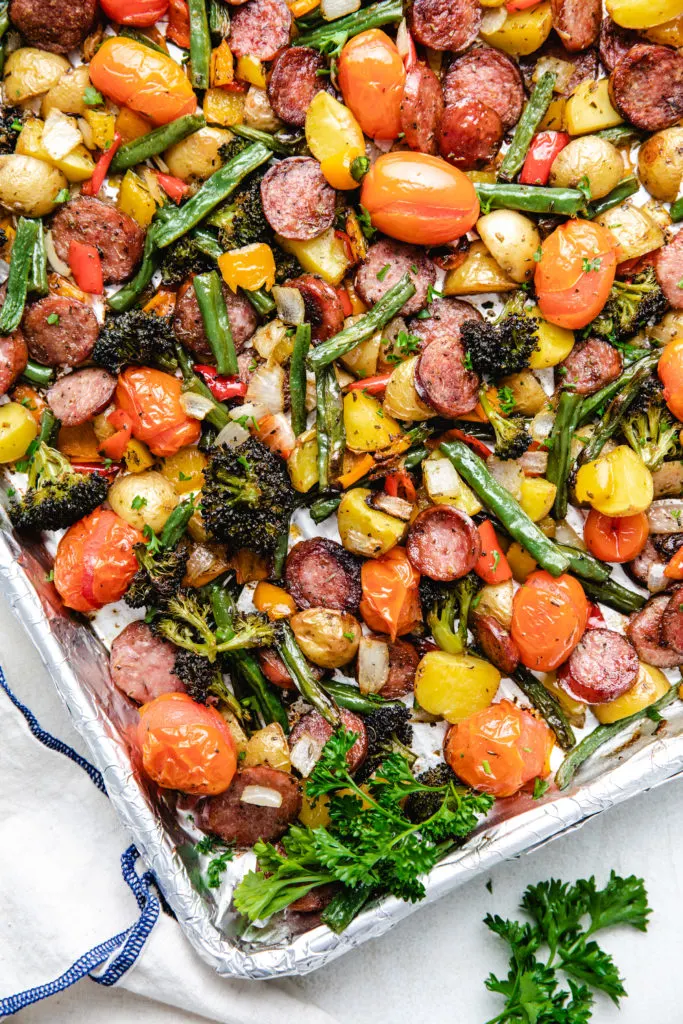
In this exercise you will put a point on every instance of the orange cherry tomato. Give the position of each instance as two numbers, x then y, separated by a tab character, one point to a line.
186	745
575	273
419	198
499	749
569	586
674	568
152	400
390	602
142	13
546	625
371	77
135	76
95	561
670	370
615	539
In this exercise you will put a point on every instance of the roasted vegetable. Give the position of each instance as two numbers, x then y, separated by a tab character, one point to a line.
443	603
188	623
631	306
503	346
389	731
143	339
512	437
649	427
57	496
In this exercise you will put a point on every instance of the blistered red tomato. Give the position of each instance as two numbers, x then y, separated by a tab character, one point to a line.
390	602
371	77
141	13
549	617
186	746
152	400
95	561
575	273
133	75
615	539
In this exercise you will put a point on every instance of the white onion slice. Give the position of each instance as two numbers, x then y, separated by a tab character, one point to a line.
493	20
542	425
61	268
290	305
232	435
267	388
60	134
87	133
267	338
562	69
566	534
507	473
261	796
333	9
196	406
666	516
396	507
304	754
534	463
373	664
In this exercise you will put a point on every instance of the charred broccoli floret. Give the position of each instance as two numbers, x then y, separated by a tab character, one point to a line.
503	346
205	681
187	622
420	806
10	127
247	497
443	603
241	221
287	265
631	306
512	437
181	259
649	427
388	730
158	578
236	145
57	496
135	337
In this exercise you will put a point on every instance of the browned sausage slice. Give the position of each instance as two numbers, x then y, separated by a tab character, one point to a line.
585	64
577	22
421	108
311	733
77	397
471	134
446	24
672	622
277	673
53	24
490	77
644	630
669	269
590	365
446	317
324	310
403	662
314	901
602	667
115	235
615	42
385	264
60	331
13	358
443	543
297	201
321	573
496	643
294	82
142	664
647	87
189	325
647	569
241	816
443	381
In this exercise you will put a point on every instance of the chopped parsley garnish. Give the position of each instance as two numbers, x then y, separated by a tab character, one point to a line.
381	274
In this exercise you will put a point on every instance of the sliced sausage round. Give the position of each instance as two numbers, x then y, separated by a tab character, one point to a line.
672	622
324	311
446	24
647	87
321	573
644	630
52	24
77	397
297	201
142	665
602	667
585	64
60	331
590	365
615	42
443	543
188	323
647	569
238	816
13	358
669	270
421	109
313	732
490	77
446	317
314	901
294	82
577	22
496	643
277	673
403	662
384	266
260	28
471	134
443	381
115	235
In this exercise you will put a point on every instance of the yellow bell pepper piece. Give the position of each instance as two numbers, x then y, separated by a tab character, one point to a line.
554	343
520	562
650	685
224	108
251	267
103	125
553	120
538	495
275	602
137	457
324	255
135	201
301	7
334	138
357	304
616	484
131	125
250	69
222	66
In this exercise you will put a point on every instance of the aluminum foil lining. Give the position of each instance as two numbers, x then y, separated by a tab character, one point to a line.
78	664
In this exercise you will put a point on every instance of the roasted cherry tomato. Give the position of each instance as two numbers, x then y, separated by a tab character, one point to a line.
547	620
186	745
419	198
499	749
152	400
575	273
133	75
570	586
371	77
95	561
615	539
390	602
142	13
670	370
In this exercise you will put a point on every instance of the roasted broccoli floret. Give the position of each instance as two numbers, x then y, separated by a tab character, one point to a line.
443	604
236	145
57	496
287	265
512	437
204	681
158	578
187	622
10	127
388	730
181	259
631	306
135	337
649	427
241	221
420	806
503	346
247	497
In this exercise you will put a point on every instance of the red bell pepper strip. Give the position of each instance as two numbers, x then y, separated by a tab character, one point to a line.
222	388
596	620
520	5
482	450
178	30
86	267
343	297
542	152
346	242
406	46
95	467
373	385
492	565
399	484
174	188
114	447
93	186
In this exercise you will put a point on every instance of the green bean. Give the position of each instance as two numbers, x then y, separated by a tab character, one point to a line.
146	146
612	417
627	187
200	44
547	705
584	565
261	301
219	20
297	377
323	508
19	270
591	403
414	457
49	424
527	126
176	524
140	37
127	296
335	33
36	373
344	906
217	188
381	313
280	553
302	677
559	458
620	134
500	501
280	144
676	211
603	734
207	288
532	198
38	277
219	416
613	595
207	243
330	425
350	697
4	17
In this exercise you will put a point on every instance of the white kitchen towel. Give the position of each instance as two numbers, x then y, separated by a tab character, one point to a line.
63	894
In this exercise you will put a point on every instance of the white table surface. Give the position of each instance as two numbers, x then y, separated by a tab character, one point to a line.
430	968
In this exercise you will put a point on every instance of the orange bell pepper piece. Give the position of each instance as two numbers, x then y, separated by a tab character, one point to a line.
492	565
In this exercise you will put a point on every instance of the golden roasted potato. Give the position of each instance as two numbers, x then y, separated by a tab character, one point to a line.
327	637
588	157
367	531
198	156
143	499
513	240
29	186
67	94
660	164
30	72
